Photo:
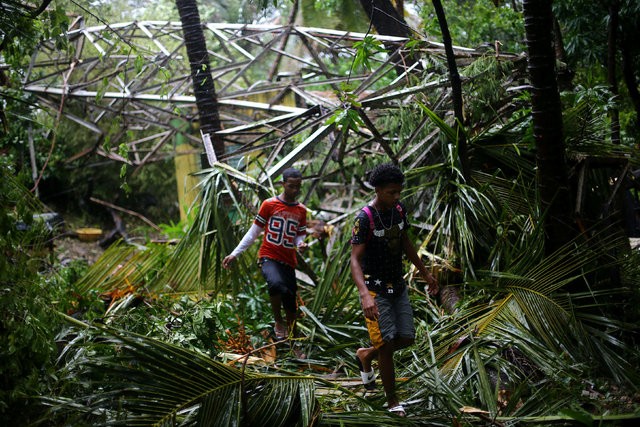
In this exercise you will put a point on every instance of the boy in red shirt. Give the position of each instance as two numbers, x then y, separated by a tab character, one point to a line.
284	222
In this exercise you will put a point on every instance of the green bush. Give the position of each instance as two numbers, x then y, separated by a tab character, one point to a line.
30	294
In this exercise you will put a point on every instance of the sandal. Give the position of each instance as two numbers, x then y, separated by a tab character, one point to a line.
368	378
398	410
280	331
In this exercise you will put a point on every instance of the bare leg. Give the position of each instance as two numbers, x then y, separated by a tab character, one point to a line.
400	343
276	308
366	356
387	368
387	372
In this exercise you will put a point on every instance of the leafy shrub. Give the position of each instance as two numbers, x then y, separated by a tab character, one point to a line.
28	325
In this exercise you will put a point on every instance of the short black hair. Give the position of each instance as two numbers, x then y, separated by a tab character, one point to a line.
290	173
385	173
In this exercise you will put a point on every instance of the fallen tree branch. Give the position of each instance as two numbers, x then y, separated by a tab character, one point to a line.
118	208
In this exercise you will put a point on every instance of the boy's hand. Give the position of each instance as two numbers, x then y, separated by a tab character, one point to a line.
228	260
432	284
369	307
302	246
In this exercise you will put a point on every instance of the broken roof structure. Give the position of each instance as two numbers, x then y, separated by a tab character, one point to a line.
277	88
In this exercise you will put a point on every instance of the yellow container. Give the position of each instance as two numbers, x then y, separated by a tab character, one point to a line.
89	234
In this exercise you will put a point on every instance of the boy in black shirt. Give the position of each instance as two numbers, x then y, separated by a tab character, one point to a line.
378	241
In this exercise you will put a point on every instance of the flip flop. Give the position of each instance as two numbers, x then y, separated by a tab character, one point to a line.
368	378
398	410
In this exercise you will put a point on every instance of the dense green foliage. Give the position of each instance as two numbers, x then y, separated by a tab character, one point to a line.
529	338
478	23
583	43
32	291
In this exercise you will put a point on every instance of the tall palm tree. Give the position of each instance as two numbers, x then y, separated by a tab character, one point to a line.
385	18
456	88
203	85
388	20
553	182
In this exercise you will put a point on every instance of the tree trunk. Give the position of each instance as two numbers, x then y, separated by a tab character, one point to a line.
203	88
565	74
456	88
546	111
387	21
612	48
385	18
629	76
400	7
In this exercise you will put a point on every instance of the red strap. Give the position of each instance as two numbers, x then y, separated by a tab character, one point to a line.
367	210
372	225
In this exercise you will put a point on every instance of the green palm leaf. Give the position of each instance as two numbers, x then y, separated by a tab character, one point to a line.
193	265
531	301
135	380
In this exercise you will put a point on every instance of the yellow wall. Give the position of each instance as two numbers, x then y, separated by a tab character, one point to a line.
187	162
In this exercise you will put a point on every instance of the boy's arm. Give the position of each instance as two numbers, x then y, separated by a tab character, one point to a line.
250	236
298	241
412	255
369	306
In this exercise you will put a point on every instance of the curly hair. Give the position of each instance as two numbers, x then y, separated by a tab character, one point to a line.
385	173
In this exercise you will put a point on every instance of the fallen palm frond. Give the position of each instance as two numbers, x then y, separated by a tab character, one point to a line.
129	379
193	264
524	328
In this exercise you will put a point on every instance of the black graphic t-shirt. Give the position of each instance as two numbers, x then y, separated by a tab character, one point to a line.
382	260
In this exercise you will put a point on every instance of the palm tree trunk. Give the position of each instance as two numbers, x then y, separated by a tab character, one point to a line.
612	48
203	88
565	74
629	76
546	110
456	87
